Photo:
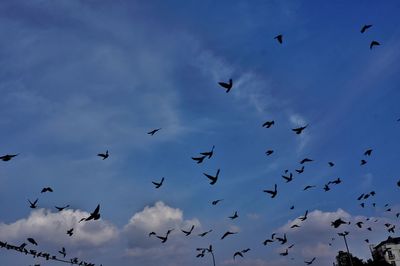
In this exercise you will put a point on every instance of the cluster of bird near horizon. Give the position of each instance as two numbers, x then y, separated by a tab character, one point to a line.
287	176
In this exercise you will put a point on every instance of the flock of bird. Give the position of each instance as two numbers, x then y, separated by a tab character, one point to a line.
212	178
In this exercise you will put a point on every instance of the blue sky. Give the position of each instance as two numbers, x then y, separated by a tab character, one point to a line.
81	77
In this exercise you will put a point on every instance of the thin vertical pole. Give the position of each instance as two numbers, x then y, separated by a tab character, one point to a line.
348	252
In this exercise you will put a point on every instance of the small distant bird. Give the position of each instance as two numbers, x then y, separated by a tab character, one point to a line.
159	184
326	187
267	241
283	239
398	183
61	208
272	192
362	205
301	170
299	130
165	238
215	202
103	155
227	234
359	224
360	197
70	232
269	152
338	222
331	164
305	160
363	162
309	262
295	226
154	131
187	233
227	86
269	124
7	157
63	252
46	189
234	216
368	152
336	181
32	241
374	43
288	178
365	27
303	218
33	205
199	159
292	207
279	38
213	179
205	233
95	215
308	187
366	240
285	253
237	253
152	234
208	154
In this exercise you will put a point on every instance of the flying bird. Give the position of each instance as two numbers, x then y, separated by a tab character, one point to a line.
288	178
205	233
309	262
103	155
292	207
61	208
301	170
308	187
187	233
227	234
227	86
374	43
213	179
234	216
272	192
237	253
165	238
152	234
46	189
33	205
282	240
268	124
199	159
95	215
304	217
32	241
285	253
299	130
365	27
70	232
368	152
363	162
331	164
208	154
306	160
215	202
63	252
338	222
269	152
154	131
158	185
279	38
7	157
326	187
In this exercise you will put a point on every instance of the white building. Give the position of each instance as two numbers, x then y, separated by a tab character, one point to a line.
388	250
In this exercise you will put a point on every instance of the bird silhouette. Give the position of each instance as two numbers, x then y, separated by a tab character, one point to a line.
267	241
103	155
33	205
301	170
268	124
285	253
279	38
32	241
95	215
187	233
208	154
234	216
292	207
237	253
61	208
295	226
308	187
212	178
46	189
8	157
215	202
165	238
335	182
272	192
154	131
326	187
152	234
359	224
363	162
199	159
283	239
338	222
365	27
63	252
227	234
227	86
269	152
299	130
368	152
374	43
304	217
398	183
331	164
306	160
205	233
159	184
70	232
361	196
288	178
310	262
